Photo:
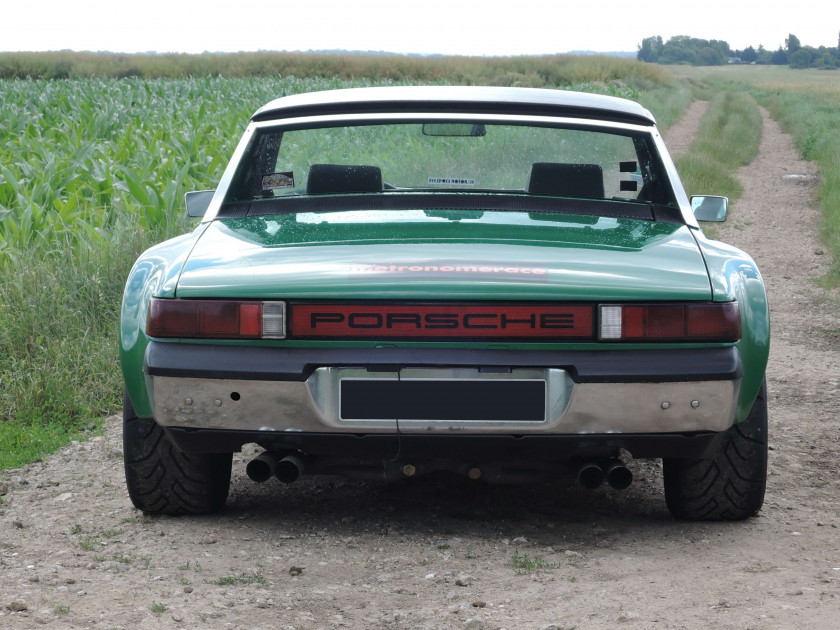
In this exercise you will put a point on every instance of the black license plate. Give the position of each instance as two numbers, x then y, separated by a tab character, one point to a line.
491	400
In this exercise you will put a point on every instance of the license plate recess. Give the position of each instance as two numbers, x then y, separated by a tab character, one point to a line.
421	399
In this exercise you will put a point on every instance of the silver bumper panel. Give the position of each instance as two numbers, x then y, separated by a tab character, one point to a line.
570	408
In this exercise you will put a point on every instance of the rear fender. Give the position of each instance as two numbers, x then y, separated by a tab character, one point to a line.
735	276
155	274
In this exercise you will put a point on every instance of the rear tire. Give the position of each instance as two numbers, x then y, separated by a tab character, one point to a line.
162	479
730	486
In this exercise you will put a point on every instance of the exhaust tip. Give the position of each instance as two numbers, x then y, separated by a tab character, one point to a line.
289	469
261	468
619	476
590	476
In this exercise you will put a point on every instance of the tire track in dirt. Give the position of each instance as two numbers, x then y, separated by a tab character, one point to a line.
777	221
447	554
678	137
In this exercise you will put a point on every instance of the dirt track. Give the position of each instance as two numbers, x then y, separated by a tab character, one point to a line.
328	553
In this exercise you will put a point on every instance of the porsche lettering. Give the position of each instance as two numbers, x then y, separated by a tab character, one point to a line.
342	320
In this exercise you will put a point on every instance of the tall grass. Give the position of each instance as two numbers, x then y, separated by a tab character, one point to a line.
58	314
93	171
667	103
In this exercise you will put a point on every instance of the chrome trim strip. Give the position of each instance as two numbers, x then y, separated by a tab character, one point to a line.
574	408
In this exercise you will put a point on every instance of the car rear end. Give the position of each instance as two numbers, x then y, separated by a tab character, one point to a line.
477	287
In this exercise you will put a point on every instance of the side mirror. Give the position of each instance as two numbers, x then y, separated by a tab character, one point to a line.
198	201
709	207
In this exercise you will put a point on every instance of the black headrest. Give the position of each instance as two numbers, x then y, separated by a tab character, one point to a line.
567	180
341	178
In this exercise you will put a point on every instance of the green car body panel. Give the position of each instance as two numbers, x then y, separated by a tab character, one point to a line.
586	259
609	260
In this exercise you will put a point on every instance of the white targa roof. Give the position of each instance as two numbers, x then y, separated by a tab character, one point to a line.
439	98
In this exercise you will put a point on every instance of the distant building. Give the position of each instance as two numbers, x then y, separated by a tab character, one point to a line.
734	60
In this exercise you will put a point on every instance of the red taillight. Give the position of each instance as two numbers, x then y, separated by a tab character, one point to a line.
714	321
719	322
216	319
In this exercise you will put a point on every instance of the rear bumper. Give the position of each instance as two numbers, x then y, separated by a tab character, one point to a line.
269	391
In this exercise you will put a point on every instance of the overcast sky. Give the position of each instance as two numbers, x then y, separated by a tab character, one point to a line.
469	27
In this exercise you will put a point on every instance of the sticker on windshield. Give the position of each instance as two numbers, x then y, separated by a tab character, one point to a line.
460	181
278	180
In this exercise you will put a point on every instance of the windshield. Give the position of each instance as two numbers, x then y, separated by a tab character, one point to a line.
587	163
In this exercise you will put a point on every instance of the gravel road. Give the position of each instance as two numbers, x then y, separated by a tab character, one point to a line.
443	553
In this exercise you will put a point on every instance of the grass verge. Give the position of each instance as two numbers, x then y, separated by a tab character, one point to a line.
59	374
667	103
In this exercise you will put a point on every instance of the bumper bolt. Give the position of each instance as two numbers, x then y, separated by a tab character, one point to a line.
666	405
695	404
217	402
188	401
409	470
474	473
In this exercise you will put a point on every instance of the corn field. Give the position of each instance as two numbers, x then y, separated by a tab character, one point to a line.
77	155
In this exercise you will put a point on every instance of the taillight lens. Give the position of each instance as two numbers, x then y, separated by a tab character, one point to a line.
715	321
232	319
216	319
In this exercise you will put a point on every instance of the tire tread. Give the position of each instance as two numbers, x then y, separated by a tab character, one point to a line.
162	479
731	485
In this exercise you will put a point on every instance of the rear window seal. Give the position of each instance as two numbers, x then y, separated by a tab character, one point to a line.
644	211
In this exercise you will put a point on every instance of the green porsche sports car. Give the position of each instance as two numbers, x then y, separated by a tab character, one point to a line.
506	284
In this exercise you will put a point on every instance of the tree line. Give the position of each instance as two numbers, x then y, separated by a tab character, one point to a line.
683	49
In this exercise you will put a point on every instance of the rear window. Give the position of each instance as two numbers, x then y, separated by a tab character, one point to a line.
450	156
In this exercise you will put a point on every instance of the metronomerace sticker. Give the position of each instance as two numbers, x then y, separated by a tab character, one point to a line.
451	269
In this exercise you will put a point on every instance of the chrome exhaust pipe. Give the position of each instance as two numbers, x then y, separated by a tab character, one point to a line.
289	469
618	475
590	475
262	468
